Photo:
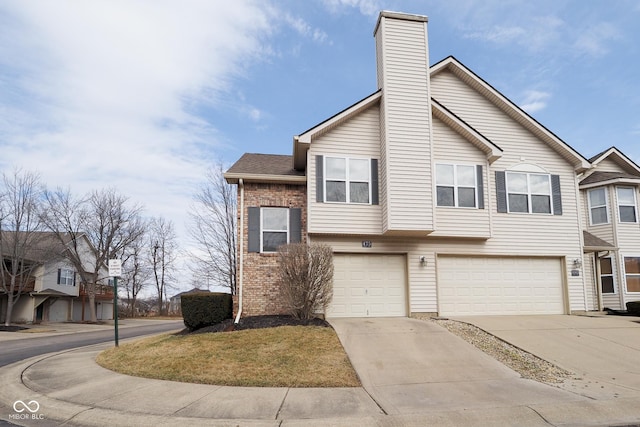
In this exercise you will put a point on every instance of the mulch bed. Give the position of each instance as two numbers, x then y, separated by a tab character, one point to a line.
12	328
257	322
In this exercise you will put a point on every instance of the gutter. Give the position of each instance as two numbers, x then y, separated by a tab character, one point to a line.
241	260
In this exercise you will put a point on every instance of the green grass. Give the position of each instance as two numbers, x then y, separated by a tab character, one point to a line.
287	356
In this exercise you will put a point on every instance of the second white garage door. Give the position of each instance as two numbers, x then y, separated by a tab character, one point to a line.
367	285
486	285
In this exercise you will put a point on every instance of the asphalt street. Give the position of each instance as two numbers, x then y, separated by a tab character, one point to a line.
16	350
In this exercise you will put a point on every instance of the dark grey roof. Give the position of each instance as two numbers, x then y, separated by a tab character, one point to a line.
38	246
591	241
607	176
265	164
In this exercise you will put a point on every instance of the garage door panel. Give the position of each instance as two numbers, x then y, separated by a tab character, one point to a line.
368	285
494	285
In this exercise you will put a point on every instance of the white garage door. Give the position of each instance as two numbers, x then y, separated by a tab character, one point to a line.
368	286
484	285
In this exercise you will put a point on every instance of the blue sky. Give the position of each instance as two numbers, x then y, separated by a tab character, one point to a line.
145	95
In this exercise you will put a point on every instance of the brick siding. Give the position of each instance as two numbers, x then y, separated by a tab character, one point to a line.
260	291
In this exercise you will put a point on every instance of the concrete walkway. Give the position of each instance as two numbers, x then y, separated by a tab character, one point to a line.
414	373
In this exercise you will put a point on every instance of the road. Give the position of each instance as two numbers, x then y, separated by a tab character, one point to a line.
16	350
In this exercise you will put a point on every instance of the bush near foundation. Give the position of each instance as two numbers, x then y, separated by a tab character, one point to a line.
633	307
205	309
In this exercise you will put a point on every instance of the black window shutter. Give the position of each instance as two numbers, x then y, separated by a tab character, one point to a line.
295	225
74	278
480	181
59	273
319	179
557	196
501	191
375	197
254	229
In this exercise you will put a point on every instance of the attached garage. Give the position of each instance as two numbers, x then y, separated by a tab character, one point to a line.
369	285
469	285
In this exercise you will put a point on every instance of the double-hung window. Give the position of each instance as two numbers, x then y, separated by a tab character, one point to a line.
272	227
607	280
528	192
456	185
275	228
347	180
627	204
632	273
66	277
598	209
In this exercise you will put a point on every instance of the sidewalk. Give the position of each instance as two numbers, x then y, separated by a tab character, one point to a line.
72	390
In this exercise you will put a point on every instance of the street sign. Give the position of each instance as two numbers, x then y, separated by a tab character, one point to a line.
115	268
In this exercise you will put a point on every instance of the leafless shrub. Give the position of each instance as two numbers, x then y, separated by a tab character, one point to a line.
306	278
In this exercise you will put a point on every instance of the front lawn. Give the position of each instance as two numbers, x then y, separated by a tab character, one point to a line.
285	356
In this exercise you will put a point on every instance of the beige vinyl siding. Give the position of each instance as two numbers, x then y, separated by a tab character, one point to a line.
591	283
608	165
450	147
406	158
519	234
358	137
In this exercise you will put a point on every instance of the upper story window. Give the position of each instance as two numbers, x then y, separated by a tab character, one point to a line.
598	207
271	227
346	180
528	192
627	204
456	185
66	277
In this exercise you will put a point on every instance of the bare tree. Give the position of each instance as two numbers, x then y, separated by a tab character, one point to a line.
136	271
22	242
213	227
306	278
104	218
163	253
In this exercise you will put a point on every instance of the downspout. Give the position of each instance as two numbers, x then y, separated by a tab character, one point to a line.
241	260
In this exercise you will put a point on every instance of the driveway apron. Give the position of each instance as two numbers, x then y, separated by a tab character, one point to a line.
413	366
602	351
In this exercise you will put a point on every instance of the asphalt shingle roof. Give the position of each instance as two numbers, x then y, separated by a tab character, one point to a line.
265	164
607	176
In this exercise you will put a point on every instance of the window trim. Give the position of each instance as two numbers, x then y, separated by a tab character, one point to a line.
456	186
625	274
635	204
612	275
347	181
66	279
529	194
605	206
262	229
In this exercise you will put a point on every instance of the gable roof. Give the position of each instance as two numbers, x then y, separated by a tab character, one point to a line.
265	168
301	142
451	64
618	157
39	246
492	151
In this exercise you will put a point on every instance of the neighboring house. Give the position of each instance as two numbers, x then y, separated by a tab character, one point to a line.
175	302
439	195
56	292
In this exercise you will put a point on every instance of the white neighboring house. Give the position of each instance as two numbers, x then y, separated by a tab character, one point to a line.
56	292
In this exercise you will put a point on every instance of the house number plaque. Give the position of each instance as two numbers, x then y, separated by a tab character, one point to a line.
367	244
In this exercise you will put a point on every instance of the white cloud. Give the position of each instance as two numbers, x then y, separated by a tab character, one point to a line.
594	40
534	100
366	7
107	93
304	29
498	34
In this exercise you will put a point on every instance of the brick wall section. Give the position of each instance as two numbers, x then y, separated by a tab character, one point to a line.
260	291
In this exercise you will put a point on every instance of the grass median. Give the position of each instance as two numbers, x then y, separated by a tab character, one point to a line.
285	356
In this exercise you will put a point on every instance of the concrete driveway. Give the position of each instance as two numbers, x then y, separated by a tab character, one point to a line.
602	351
411	366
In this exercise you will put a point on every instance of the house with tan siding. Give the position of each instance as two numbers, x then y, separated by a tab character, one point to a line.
439	195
